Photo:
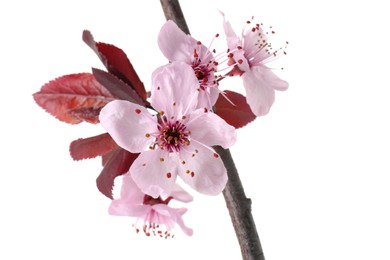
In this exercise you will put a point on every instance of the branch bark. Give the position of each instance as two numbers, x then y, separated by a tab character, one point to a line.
238	204
240	210
172	11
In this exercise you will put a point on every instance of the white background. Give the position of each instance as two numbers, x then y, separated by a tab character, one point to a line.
316	168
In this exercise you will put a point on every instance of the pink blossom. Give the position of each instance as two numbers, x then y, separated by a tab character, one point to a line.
250	53
177	46
176	141
154	216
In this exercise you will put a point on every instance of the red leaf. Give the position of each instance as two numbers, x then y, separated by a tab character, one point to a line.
119	163
86	148
237	115
116	62
73	98
106	157
117	87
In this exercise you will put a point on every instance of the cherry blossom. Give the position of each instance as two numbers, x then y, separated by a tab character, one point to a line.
250	53
178	46
176	141
153	215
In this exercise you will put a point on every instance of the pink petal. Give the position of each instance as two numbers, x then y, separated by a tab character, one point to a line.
233	41
130	191
174	89
180	194
128	124
188	231
155	173
207	98
202	169
229	32
259	96
170	216
121	207
267	77
174	43
210	129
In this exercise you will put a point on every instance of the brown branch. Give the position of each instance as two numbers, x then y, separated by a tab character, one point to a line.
172	11
238	204
239	207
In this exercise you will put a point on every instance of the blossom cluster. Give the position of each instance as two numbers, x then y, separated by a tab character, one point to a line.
154	137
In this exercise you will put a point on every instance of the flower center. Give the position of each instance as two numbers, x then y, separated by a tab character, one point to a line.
204	73
173	135
258	49
153	223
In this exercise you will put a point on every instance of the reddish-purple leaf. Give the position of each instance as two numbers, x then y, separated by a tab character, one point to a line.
74	98
117	87
118	163
116	62
86	148
106	157
237	115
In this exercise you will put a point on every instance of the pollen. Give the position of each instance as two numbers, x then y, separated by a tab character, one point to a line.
216	155
161	159
147	135
138	111
169	175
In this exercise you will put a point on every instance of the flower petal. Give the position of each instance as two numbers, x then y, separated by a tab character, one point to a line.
208	97
174	43
227	27
128	124
155	173
202	169
267	77
233	41
130	191
259	96
120	207
174	89
170	216
180	194
209	129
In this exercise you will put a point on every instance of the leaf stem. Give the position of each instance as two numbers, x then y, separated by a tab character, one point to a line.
238	204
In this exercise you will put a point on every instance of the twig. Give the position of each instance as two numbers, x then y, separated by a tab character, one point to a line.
239	207
238	204
172	11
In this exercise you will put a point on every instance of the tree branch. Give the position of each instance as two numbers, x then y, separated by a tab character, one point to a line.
238	204
239	207
172	11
